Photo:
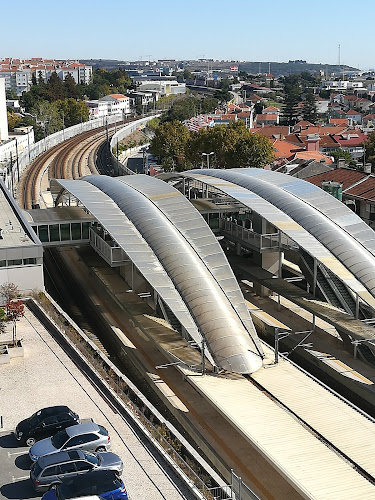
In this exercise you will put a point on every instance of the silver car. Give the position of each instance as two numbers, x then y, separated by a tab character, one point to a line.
90	437
52	469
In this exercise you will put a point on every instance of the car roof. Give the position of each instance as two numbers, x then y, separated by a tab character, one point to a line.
94	477
51	410
60	457
77	430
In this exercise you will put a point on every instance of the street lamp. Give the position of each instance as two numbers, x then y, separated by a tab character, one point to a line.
207	155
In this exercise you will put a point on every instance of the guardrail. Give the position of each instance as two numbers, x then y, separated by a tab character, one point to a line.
119	167
272	241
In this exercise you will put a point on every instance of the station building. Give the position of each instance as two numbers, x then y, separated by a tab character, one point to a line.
21	252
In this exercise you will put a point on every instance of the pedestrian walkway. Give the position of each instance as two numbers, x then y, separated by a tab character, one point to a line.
46	376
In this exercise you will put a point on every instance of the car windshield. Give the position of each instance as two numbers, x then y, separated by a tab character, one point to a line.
34	419
60	439
92	458
36	468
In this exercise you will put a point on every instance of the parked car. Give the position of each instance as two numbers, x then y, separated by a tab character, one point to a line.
52	469
90	437
104	483
45	423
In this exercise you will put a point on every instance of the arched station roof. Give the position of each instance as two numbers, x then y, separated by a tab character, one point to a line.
174	249
319	223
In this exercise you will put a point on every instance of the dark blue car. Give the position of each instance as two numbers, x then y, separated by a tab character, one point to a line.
107	484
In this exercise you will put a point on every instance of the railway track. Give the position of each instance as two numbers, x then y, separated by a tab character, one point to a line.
71	159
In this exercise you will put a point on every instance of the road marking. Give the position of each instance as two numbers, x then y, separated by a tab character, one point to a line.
17	453
14	479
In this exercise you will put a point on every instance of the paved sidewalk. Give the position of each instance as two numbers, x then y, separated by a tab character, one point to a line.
46	376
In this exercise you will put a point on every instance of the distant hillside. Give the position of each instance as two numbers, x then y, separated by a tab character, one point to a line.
282	69
277	69
104	63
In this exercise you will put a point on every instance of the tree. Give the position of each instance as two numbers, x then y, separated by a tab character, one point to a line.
2	320
233	145
48	120
55	88
9	291
70	87
73	111
153	124
309	111
11	94
187	74
15	310
170	141
341	153
292	90
370	149
13	120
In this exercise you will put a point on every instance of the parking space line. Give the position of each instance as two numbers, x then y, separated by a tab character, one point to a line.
17	453
15	479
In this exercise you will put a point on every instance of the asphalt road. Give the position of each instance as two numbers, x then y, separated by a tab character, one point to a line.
14	469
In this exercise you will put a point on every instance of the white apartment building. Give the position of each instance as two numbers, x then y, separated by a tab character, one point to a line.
341	85
18	72
164	86
112	104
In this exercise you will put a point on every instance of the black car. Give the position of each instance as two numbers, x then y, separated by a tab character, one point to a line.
45	423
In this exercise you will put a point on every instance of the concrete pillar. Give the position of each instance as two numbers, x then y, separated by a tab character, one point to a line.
270	262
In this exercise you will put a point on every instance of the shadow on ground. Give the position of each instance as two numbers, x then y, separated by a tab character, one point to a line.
21	490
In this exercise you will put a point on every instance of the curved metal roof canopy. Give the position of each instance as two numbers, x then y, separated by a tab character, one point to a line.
174	249
317	221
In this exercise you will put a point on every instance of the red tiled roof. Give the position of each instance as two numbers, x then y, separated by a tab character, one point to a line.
312	155
304	123
118	96
272	130
347	139
271	108
262	118
284	149
295	139
338	121
345	175
365	189
352	112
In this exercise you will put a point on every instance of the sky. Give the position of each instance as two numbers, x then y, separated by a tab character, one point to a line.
271	30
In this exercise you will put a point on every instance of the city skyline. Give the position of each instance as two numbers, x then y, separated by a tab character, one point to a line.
311	32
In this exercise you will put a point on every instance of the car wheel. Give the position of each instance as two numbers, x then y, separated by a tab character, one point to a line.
101	448
30	441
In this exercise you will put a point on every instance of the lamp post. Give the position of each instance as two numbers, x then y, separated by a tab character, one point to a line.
207	155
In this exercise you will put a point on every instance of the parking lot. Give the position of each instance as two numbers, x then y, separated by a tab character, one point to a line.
46	376
14	469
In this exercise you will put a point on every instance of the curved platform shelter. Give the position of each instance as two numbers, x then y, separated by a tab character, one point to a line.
177	254
317	222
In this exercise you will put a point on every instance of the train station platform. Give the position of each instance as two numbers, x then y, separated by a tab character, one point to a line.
341	321
283	433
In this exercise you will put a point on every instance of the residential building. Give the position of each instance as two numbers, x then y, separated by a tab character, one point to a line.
353	117
321	105
18	73
267	119
112	104
165	85
353	142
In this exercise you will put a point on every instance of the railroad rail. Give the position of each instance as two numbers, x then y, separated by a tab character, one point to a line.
70	159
